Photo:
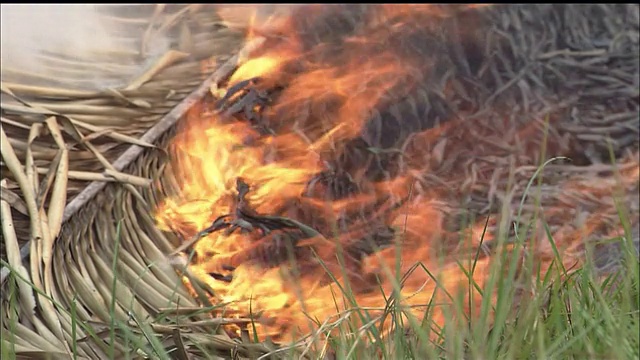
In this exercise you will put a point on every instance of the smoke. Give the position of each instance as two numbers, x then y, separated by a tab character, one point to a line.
260	16
79	46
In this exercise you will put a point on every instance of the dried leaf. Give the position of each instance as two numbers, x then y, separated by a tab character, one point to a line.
70	128
97	134
37	233
59	194
129	179
30	168
135	102
14	258
41	355
14	200
169	58
12	162
44	91
47	181
4	88
14	123
113	134
181	350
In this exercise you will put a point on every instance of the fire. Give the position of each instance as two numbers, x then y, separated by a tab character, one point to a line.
331	91
212	156
325	144
254	68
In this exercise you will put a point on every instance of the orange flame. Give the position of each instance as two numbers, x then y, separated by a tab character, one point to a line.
333	89
330	95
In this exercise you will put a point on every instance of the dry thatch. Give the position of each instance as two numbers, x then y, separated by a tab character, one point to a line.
575	65
97	124
63	132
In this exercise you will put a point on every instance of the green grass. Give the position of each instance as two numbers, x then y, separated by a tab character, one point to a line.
564	315
572	315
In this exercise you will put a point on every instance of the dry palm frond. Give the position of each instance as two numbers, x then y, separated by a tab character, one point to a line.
96	123
62	133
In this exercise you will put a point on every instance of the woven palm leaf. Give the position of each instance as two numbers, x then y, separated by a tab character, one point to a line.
144	61
70	110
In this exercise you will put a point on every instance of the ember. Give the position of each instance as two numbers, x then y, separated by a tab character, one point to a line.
348	149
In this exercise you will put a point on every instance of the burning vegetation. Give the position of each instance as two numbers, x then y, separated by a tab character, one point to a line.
383	151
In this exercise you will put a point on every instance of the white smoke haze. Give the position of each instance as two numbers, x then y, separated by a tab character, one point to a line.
55	44
258	15
90	46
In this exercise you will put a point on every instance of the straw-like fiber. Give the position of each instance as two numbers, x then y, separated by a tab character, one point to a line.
101	229
56	131
98	123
